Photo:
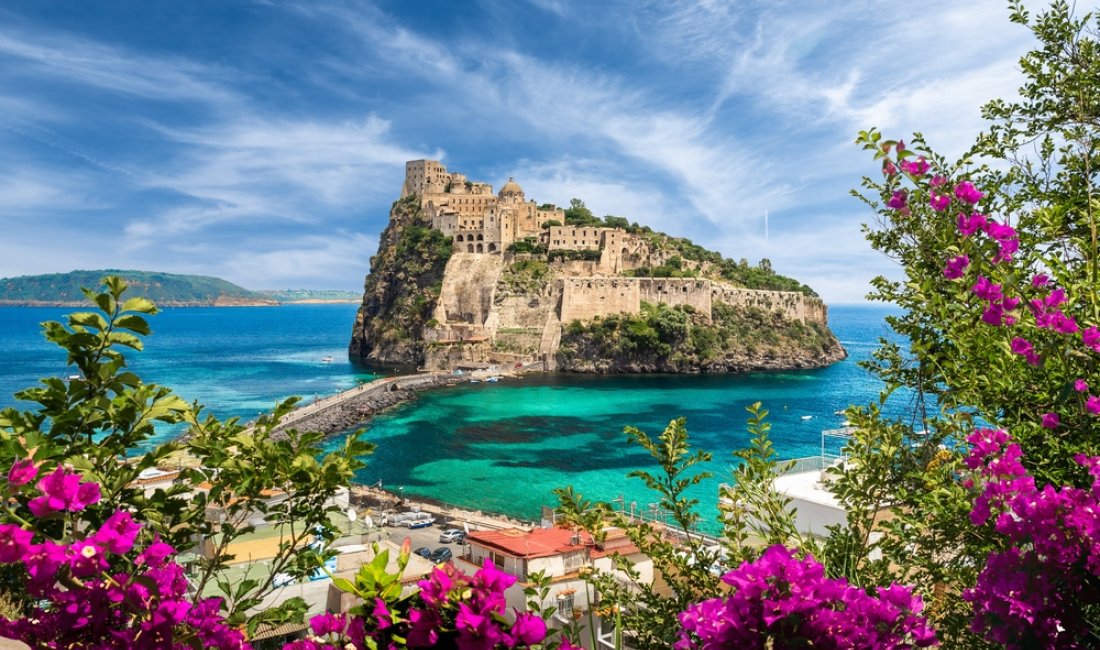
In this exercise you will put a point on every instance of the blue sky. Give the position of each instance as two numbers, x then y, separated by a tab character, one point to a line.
263	142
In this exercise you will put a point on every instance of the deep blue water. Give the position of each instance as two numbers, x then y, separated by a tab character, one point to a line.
499	447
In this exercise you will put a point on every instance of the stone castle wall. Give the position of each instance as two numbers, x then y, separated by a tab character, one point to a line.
585	298
798	306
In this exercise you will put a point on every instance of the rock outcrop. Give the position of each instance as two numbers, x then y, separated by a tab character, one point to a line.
443	295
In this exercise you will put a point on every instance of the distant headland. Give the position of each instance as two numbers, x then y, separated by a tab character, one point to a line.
465	278
165	289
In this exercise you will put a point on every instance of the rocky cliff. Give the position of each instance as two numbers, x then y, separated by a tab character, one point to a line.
402	289
426	305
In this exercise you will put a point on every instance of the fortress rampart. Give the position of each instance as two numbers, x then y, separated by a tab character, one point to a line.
586	298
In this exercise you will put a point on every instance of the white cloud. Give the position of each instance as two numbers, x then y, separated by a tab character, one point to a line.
313	263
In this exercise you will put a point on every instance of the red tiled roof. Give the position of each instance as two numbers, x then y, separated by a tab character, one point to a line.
540	542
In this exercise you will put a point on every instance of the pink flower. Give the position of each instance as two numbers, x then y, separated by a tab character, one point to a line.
966	192
939	202
63	490
986	290
937	180
1020	346
528	629
14	543
1091	338
901	145
118	533
1040	280
968	225
918	167
1092	404
888	168
956	266
1051	421
1080	385
897	200
22	472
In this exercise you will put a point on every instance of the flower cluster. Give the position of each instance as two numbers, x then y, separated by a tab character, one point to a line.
454	610
97	589
1046	303
789	602
1033	593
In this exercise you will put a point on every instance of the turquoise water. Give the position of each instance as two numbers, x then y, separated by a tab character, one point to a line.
499	447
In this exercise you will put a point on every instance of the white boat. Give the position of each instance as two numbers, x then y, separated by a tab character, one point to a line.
807	417
327	359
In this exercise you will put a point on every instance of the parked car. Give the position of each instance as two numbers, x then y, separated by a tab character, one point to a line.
441	554
424	552
452	535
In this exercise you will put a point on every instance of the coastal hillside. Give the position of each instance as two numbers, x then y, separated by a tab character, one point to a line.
465	278
165	289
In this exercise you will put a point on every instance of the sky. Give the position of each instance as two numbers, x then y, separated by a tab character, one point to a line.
263	142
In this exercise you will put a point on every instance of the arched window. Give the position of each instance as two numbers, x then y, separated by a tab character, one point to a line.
469	248
480	248
492	248
481	237
459	238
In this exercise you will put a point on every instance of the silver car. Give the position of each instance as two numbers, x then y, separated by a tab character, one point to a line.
452	535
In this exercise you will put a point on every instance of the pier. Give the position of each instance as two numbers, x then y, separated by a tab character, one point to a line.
344	410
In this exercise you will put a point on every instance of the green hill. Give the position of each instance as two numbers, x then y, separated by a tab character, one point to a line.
165	289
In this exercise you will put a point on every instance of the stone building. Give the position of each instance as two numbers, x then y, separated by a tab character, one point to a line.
476	220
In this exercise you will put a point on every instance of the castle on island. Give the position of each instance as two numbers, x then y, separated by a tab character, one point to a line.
482	317
478	221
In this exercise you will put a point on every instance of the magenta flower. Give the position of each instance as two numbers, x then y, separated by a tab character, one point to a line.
1080	385
1091	338
1021	346
1040	280
62	490
888	168
326	623
1051	421
938	180
965	191
970	224
897	200
22	472
956	267
917	167
939	202
528	629
901	145
118	533
14	543
986	290
1092	404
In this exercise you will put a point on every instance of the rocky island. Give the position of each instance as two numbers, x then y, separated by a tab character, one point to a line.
465	278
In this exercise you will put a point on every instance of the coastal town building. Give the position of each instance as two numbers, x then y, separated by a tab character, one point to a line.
564	556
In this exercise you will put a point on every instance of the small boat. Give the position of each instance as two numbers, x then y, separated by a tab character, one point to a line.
807	417
327	359
492	379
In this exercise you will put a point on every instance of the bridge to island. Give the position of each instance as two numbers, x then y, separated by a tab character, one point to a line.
347	409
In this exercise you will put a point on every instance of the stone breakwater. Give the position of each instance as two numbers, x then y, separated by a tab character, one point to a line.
343	411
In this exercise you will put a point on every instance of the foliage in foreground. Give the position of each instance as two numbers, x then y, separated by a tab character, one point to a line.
100	424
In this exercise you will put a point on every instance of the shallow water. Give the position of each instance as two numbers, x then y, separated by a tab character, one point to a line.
494	446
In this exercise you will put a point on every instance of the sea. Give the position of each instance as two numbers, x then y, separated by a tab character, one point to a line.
500	447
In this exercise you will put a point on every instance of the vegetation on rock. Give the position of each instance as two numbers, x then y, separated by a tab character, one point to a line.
166	289
402	288
663	338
